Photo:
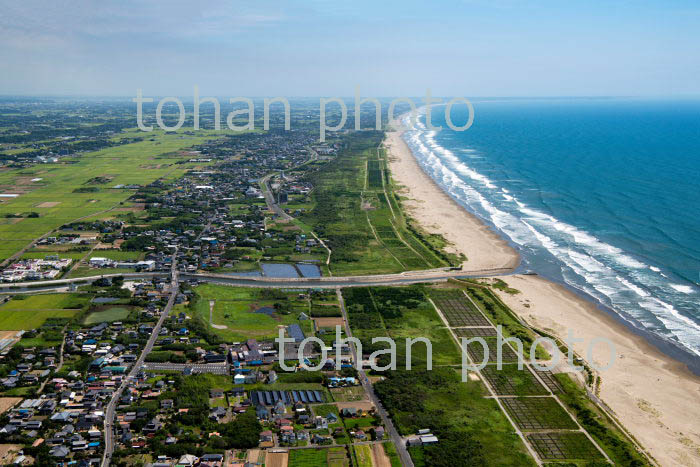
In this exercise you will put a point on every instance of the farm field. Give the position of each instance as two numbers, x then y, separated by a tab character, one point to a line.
331	457
108	315
30	319
117	255
564	446
6	403
31	312
400	313
538	413
86	271
276	459
349	394
390	454
62	195
461	412
363	454
509	381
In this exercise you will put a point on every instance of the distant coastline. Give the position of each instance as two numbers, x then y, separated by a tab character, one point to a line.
656	414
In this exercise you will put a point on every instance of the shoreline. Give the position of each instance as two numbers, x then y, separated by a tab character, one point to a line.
652	394
438	213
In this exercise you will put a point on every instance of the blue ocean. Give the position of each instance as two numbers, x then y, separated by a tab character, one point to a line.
600	194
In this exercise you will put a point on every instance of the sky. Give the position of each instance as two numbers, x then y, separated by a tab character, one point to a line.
328	48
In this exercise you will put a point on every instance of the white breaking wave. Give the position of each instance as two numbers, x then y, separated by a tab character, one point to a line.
608	273
686	289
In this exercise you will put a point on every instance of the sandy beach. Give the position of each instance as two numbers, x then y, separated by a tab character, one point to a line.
655	397
438	213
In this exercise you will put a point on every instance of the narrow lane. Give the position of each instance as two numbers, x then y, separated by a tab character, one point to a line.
390	428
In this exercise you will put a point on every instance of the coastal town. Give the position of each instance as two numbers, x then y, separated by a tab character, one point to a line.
143	328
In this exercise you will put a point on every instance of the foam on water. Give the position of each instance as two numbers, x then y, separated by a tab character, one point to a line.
686	289
640	293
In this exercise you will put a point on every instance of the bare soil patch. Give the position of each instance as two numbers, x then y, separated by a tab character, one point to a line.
6	403
253	455
379	457
328	322
277	459
48	204
364	405
8	452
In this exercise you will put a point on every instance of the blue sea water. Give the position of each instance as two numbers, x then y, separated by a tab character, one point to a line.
601	194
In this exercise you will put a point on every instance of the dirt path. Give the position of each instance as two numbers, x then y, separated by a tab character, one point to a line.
379	457
211	312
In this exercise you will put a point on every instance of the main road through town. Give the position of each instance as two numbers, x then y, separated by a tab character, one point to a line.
111	407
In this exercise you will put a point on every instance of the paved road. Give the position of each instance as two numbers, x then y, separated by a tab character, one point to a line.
111	407
411	277
270	198
390	428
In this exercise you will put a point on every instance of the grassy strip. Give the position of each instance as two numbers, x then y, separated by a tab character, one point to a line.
598	425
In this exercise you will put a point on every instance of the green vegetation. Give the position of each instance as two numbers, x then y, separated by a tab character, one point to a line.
363	455
61	197
392	454
598	425
399	312
538	413
364	225
471	428
108	315
331	457
511	381
561	446
234	314
30	312
501	315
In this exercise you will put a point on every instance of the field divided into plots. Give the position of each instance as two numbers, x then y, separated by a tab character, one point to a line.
527	394
458	311
538	413
60	193
564	446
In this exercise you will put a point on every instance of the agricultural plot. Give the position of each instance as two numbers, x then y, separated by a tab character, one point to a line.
476	351
400	313
538	413
374	174
457	309
363	228
564	446
65	194
509	381
363	454
549	380
475	332
108	315
31	312
349	394
335	457
384	224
